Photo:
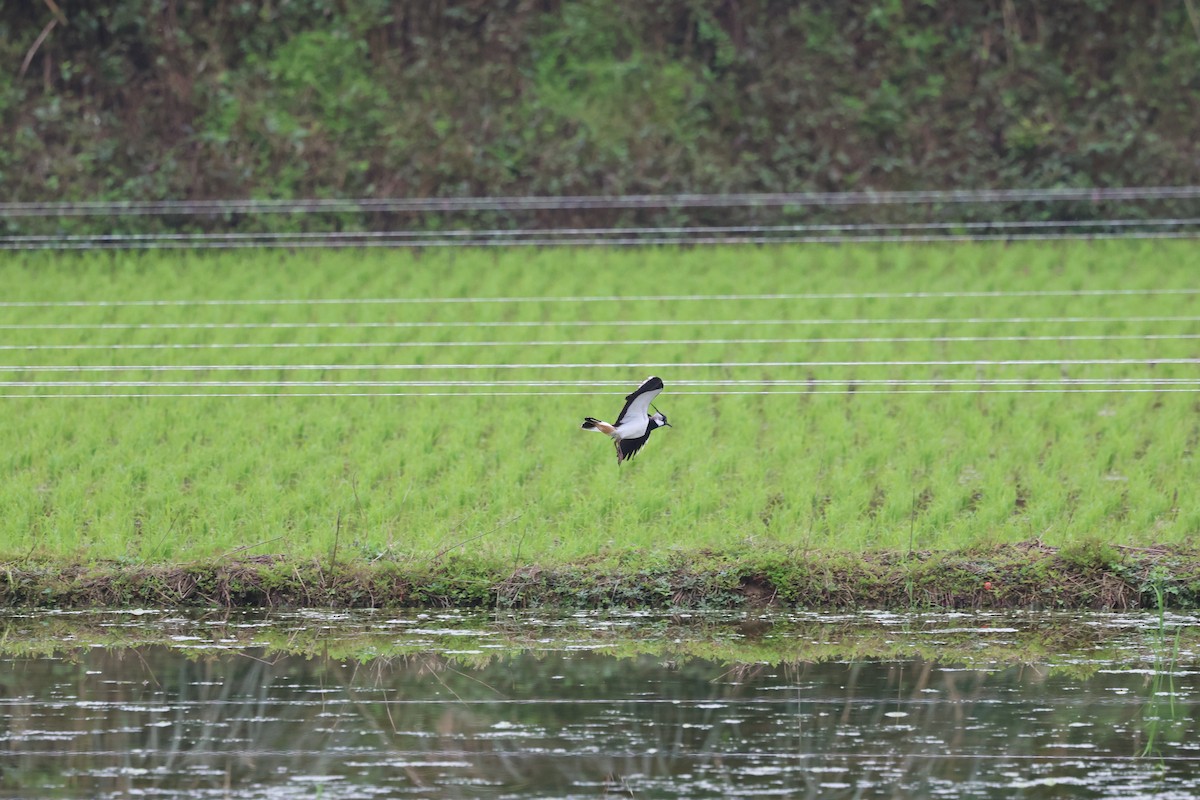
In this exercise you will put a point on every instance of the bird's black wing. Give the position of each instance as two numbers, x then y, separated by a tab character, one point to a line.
628	448
638	403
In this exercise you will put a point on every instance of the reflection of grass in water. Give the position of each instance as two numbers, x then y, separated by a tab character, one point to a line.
1164	674
476	640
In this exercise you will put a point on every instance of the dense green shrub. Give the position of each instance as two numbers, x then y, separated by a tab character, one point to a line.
147	99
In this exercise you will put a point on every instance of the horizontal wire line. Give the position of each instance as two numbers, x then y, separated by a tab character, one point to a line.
267	236
684	233
574	202
549	241
587	323
587	365
1100	337
706	298
899	391
580	384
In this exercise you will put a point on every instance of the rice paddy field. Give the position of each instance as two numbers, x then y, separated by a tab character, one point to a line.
405	407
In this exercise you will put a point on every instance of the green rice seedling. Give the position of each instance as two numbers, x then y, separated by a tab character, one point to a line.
415	405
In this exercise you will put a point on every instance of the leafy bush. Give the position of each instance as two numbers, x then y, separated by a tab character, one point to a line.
143	99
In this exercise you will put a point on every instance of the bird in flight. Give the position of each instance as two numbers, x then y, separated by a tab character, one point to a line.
635	422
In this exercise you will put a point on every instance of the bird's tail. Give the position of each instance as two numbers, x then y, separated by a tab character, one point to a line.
593	424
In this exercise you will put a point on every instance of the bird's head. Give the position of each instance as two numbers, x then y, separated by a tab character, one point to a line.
659	419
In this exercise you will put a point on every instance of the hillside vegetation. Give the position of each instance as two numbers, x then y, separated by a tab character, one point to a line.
147	99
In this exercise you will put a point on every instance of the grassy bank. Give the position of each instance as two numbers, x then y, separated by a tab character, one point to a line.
396	412
1027	576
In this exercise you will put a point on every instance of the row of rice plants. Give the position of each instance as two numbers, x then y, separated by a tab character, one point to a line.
858	462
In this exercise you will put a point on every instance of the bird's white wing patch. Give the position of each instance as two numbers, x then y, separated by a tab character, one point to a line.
637	404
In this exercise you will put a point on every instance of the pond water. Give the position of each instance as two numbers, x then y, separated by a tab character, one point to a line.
148	703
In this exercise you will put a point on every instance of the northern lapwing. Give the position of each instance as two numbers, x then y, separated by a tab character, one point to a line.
635	422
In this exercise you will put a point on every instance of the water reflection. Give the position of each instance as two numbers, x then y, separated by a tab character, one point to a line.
566	718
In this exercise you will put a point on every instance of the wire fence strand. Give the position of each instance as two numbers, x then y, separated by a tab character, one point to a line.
685	392
530	384
873	340
623	323
596	235
891	363
548	239
656	298
766	218
593	202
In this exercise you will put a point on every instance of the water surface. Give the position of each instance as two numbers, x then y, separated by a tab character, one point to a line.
153	703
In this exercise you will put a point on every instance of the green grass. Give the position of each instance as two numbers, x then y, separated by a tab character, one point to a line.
163	479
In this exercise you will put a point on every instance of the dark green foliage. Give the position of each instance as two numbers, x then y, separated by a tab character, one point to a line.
147	99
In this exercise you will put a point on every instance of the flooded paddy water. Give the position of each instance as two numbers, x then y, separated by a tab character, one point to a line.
303	704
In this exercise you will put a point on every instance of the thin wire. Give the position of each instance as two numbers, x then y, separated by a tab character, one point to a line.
576	202
296	243
701	298
588	323
849	391
1100	337
686	233
898	382
590	365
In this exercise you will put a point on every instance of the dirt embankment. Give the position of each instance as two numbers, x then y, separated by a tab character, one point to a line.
1026	575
